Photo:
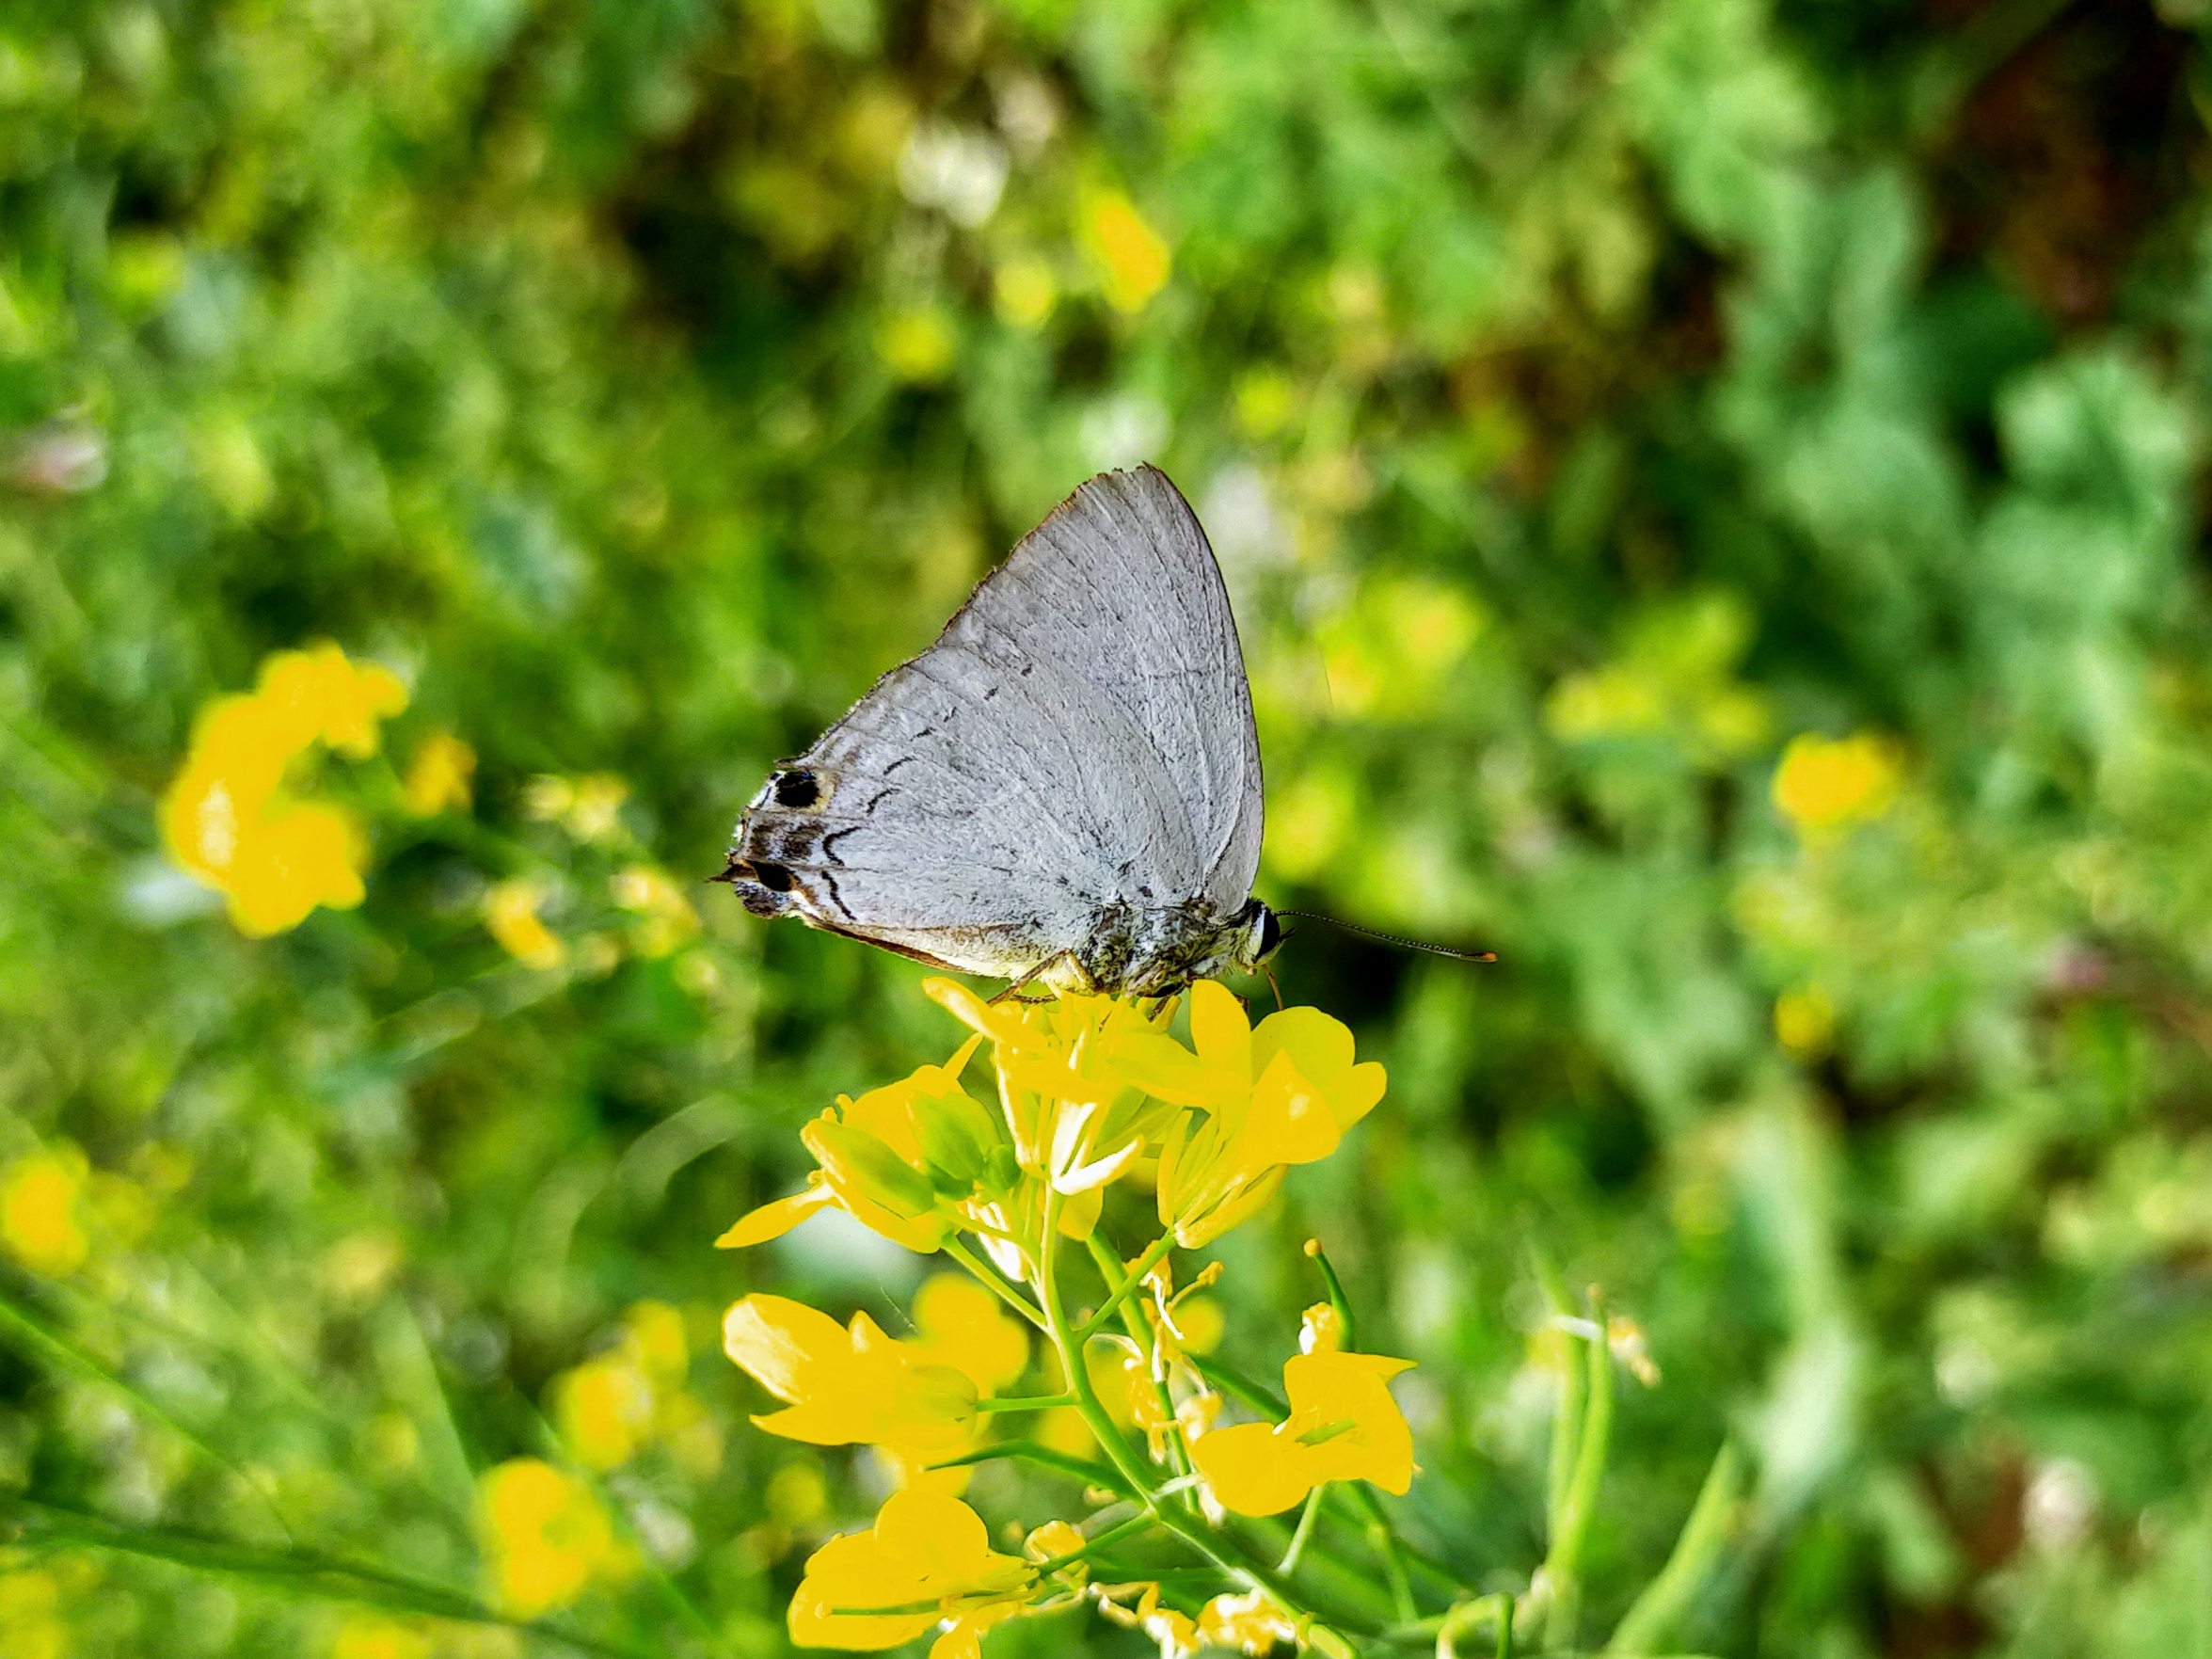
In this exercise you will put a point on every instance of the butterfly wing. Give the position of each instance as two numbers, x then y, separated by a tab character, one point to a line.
1080	734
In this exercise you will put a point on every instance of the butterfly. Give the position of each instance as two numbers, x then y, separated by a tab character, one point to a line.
1063	791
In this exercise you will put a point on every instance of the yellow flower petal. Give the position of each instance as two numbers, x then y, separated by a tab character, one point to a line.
774	1219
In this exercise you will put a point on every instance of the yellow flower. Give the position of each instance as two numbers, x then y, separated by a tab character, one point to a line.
318	696
1025	291
610	1409
1343	1426
666	917
545	1537
917	344
370	1635
438	777
1825	786
1175	1633
960	1324
41	1211
603	1409
1249	1623
511	917
1072	1075
849	1385
1805	1020
887	1159
226	818
1283	1095
928	1557
31	1599
1130	254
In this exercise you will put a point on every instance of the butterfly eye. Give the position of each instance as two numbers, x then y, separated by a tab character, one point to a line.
799	788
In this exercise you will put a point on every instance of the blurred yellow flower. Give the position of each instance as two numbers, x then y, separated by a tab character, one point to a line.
511	917
226	818
1283	1095
917	344
960	1324
849	1385
319	694
1343	1426
796	1495
666	920
370	1635
1805	1020
603	1412
611	1407
30	1615
1823	786
1025	293
438	776
930	1557
1131	259
42	1210
545	1537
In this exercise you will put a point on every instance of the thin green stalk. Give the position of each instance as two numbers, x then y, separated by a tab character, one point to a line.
1109	1437
1128	1282
1347	1327
1567	1426
1120	1284
1562	1566
1239	1387
68	1355
1045	1456
1113	1534
1035	1402
992	1282
301	1573
1465	1618
1383	1539
1657	1612
1289	1564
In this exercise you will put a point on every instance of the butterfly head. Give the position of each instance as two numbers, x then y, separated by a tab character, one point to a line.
1260	937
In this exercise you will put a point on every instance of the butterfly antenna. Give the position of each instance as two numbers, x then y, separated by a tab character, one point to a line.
1353	927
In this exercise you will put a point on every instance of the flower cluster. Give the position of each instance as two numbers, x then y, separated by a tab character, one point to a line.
228	817
1008	1175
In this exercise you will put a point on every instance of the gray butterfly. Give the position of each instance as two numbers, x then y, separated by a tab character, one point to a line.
1063	791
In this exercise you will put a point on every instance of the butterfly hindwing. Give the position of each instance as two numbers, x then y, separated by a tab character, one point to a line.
1079	736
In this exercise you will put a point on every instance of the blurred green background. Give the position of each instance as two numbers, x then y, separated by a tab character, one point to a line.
1592	403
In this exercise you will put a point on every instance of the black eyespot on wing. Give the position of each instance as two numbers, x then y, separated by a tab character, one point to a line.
797	789
774	877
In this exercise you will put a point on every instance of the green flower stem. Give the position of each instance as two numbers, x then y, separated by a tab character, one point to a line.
1036	1403
1106	1539
1027	1451
1289	1564
1384	1539
1102	1427
307	1573
1121	1285
1464	1620
1562	1566
1140	1332
64	1354
992	1282
1659	1608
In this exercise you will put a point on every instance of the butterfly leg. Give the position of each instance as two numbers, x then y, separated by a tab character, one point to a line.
1039	972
